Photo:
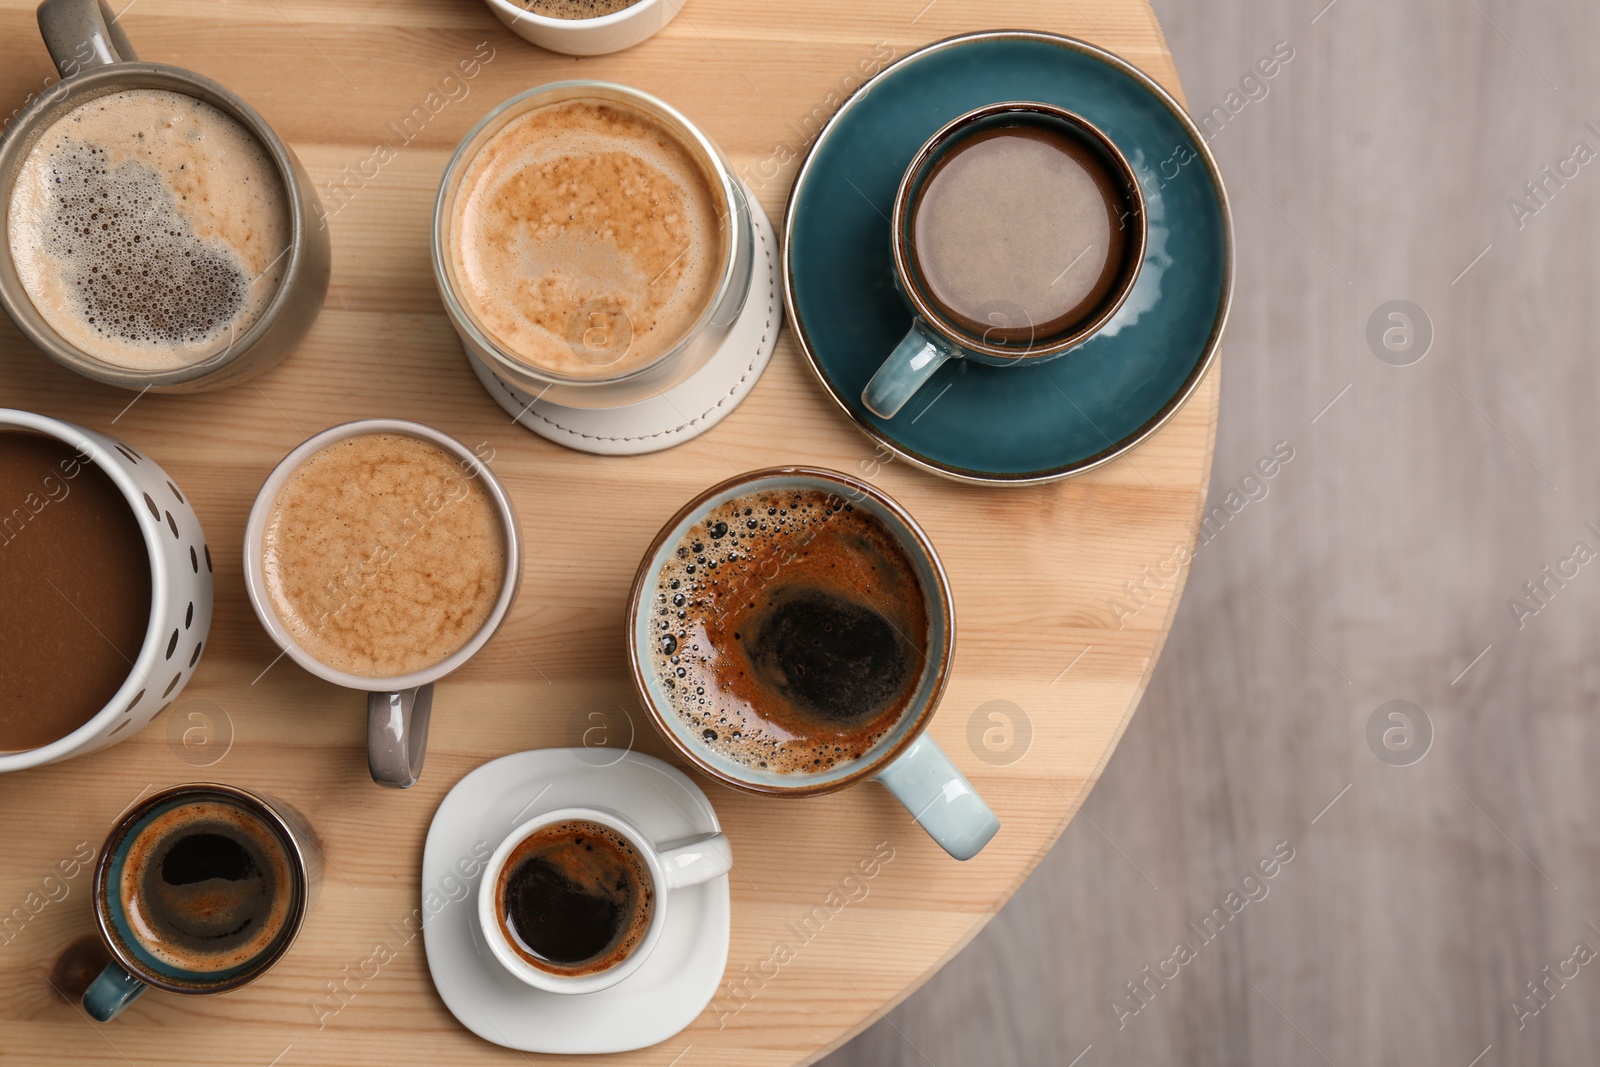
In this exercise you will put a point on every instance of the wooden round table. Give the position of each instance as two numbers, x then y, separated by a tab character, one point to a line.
1045	677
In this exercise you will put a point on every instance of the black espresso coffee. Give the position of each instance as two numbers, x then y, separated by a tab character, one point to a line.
1020	233
574	898
792	630
207	886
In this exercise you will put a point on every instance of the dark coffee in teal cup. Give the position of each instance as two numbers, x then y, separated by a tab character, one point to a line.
199	890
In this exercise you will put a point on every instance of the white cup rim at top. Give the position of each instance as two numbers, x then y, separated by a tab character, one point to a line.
615	18
255	576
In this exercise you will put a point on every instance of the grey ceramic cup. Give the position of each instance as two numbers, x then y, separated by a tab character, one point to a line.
94	58
399	708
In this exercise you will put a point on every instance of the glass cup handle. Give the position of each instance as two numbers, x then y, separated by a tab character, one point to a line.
397	735
111	991
907	369
695	860
81	34
940	798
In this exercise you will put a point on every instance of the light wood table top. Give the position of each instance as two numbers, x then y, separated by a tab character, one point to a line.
1032	569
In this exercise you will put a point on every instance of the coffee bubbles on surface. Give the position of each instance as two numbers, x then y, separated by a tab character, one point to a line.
149	229
790	631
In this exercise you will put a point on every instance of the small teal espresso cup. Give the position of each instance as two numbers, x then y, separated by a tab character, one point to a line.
1018	232
791	632
199	889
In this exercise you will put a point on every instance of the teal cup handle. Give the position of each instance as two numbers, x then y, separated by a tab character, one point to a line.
940	798
906	370
111	991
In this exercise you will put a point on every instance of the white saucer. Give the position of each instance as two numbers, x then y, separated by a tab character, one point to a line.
688	409
665	995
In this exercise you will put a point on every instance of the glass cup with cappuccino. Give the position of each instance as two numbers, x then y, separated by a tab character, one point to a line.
591	245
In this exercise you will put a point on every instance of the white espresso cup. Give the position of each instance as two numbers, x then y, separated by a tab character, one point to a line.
180	581
398	707
668	866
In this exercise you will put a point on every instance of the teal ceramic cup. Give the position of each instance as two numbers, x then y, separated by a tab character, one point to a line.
1002	331
283	840
903	758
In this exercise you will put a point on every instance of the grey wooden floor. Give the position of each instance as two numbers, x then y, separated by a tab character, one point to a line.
1378	166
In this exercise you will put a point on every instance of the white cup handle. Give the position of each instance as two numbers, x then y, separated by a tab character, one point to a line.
695	860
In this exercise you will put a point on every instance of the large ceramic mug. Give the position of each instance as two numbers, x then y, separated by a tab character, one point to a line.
95	60
893	748
180	578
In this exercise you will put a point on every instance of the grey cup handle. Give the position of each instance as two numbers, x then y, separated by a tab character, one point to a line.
81	34
397	735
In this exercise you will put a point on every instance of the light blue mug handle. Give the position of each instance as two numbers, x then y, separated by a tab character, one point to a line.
907	369
940	798
111	991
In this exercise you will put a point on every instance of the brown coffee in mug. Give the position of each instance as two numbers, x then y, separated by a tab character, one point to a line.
75	579
1020	231
207	887
792	630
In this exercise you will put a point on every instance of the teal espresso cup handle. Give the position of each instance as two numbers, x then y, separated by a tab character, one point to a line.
110	992
941	799
906	370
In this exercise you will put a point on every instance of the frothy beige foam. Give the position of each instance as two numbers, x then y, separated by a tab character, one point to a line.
149	229
383	555
586	238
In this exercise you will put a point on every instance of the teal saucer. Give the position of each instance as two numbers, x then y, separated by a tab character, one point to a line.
1027	423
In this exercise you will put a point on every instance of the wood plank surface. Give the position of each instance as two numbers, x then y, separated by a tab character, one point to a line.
1032	569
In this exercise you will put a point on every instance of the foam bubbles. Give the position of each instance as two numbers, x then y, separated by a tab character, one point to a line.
147	228
707	611
132	259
